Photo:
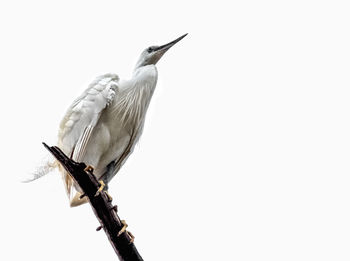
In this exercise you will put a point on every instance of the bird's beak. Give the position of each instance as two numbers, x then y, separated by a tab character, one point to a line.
167	46
158	52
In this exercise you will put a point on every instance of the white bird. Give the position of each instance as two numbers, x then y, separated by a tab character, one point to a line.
103	125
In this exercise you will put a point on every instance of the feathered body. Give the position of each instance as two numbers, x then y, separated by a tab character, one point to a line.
102	127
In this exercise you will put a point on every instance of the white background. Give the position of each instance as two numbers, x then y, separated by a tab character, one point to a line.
246	148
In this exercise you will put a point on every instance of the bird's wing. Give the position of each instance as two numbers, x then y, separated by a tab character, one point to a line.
83	115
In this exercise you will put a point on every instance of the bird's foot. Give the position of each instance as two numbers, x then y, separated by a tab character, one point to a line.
89	169
123	228
102	185
109	197
132	238
78	199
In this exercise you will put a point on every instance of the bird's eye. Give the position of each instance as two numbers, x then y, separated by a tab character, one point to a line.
149	49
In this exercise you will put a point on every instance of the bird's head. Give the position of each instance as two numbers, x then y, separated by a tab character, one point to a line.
152	54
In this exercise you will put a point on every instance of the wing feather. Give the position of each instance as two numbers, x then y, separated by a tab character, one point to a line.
82	116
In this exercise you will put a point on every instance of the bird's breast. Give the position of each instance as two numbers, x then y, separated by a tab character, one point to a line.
123	120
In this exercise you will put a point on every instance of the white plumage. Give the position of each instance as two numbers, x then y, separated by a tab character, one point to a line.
102	126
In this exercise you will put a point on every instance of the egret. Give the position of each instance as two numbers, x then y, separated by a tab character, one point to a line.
102	126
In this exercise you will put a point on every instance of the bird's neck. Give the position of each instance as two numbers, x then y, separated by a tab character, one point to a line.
137	95
145	80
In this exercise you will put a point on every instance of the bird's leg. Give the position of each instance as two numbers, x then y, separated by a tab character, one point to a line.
102	185
123	228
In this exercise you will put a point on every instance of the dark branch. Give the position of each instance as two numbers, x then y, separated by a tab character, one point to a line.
106	213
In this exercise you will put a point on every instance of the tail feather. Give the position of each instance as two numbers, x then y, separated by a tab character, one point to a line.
73	191
45	168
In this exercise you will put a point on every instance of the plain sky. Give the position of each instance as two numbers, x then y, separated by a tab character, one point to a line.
246	148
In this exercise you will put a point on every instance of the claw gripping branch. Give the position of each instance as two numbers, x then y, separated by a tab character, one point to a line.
101	204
